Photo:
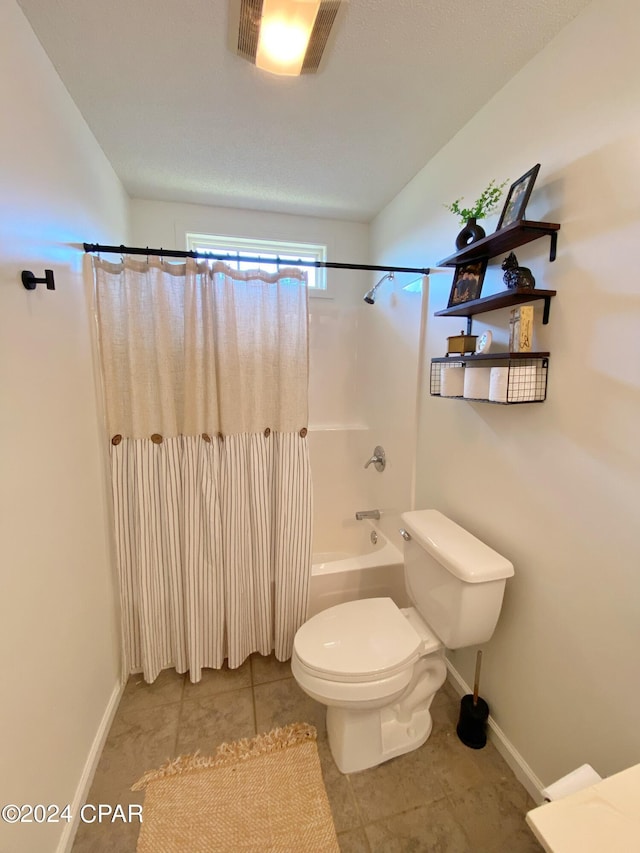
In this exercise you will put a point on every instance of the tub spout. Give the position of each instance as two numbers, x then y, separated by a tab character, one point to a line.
368	513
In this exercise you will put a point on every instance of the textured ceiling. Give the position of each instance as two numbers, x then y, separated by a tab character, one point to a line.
182	118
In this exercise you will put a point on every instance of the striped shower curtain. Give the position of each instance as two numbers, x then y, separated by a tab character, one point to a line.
205	383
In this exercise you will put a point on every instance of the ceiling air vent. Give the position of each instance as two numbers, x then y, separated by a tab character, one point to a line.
248	30
320	35
244	30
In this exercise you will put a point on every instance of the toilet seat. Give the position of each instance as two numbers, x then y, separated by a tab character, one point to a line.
358	641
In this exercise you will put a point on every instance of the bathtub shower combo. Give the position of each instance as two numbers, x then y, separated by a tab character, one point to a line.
370	566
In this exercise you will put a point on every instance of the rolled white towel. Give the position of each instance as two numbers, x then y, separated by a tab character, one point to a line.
476	382
498	383
452	380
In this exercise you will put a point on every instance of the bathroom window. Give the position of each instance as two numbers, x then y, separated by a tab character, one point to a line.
268	251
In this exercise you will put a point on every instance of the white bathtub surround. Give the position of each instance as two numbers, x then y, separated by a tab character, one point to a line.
364	569
206	387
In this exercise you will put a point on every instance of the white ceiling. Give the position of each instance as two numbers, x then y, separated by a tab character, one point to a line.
182	118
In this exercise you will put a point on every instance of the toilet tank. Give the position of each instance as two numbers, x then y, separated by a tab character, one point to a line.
454	580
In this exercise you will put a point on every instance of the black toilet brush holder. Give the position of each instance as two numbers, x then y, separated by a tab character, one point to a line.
474	713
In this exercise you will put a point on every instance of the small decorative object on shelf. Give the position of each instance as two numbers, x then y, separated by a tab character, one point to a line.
516	277
460	344
483	206
470	233
467	282
521	329
518	197
484	342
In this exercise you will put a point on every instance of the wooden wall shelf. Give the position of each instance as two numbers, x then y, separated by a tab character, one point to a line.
514	235
491	356
504	299
525	372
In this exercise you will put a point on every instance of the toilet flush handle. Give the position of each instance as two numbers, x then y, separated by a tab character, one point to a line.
405	534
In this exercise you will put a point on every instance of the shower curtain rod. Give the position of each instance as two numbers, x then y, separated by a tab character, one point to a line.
176	253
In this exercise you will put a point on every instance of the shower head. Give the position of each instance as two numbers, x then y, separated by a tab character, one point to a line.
370	295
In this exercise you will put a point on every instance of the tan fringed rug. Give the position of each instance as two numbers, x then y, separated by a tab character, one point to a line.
264	795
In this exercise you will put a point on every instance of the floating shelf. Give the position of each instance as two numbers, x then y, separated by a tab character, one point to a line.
514	235
519	377
504	299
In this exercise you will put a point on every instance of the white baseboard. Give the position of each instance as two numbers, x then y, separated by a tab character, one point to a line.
68	835
523	773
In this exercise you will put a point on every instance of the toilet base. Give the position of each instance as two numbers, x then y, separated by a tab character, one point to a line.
360	739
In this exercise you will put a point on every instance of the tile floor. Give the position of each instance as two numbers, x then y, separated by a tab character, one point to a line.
441	798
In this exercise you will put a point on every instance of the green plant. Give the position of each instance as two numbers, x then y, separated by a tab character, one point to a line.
482	207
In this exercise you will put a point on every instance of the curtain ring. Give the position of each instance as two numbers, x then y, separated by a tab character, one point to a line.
303	432
206	437
156	438
267	432
116	440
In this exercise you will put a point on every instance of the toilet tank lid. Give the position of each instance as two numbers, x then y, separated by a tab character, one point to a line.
455	548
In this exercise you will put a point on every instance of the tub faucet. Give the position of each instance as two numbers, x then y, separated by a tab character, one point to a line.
368	513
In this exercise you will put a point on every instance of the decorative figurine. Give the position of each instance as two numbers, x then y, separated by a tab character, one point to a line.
515	277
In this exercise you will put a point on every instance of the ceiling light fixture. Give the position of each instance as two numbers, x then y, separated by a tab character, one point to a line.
286	37
285	31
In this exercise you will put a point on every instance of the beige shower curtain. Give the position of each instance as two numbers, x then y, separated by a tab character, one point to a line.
205	381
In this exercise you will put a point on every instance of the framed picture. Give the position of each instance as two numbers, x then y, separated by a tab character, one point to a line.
467	282
518	197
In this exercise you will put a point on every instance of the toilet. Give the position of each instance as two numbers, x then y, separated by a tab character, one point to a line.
377	667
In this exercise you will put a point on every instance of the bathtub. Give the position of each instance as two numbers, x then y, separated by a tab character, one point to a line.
362	570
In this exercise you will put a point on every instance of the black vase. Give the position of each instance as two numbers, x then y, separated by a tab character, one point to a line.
469	234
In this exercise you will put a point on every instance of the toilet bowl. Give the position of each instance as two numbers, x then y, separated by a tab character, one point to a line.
377	667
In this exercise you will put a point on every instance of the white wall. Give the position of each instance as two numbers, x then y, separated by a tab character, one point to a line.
58	629
337	426
553	486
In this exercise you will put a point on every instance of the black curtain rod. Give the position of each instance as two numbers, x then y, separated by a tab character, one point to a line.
176	253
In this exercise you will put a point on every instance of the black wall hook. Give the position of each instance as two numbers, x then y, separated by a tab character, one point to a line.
29	280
